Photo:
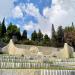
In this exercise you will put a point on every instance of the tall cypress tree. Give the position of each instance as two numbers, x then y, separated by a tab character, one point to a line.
72	26
46	40
60	36
3	27
34	36
40	36
0	28
53	31
24	35
54	38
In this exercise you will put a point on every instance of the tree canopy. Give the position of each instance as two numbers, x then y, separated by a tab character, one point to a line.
24	35
58	38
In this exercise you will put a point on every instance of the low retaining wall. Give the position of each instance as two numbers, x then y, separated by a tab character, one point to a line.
35	72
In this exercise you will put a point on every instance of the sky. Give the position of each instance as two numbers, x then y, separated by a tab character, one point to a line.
38	14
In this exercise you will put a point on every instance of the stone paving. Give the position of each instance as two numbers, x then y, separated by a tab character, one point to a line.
35	72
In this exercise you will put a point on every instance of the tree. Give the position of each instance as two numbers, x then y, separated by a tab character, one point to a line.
24	35
0	30
53	31
60	37
72	26
54	37
69	35
3	30
13	30
39	36
46	40
18	34
34	36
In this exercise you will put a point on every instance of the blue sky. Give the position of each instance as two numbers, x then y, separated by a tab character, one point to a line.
38	14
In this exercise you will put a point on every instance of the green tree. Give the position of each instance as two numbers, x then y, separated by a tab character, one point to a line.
46	40
3	29
72	26
18	34
13	30
60	36
24	35
0	30
69	35
39	36
54	37
34	36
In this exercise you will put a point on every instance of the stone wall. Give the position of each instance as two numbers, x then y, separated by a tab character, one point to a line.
13	49
17	49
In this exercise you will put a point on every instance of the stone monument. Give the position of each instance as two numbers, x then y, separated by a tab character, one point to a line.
66	52
11	49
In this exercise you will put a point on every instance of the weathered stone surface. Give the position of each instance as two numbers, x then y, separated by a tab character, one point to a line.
35	72
34	50
12	49
66	52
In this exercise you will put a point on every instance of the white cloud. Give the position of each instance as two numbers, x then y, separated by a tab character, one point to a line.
6	7
29	26
62	12
42	24
18	25
30	9
17	12
54	2
46	12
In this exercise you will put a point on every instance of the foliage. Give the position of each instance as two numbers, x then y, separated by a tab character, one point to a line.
58	38
13	30
34	36
0	31
28	42
39	36
46	40
69	35
3	28
54	37
24	35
